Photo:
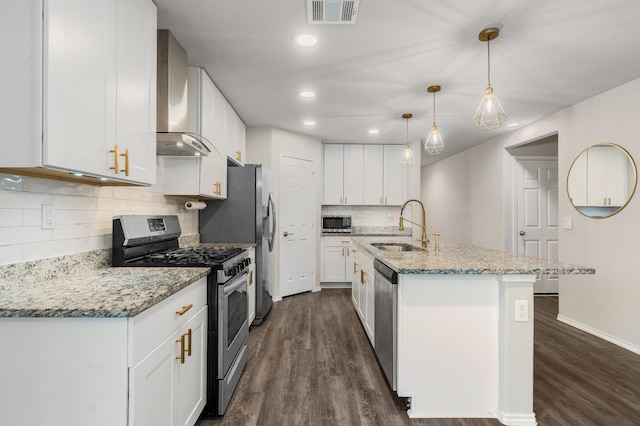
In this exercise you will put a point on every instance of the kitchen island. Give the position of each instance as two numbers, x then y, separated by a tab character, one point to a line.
89	344
460	352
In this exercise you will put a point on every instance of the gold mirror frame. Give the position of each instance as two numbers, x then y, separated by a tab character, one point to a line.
605	208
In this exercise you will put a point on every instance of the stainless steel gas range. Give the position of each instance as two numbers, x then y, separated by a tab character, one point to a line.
153	241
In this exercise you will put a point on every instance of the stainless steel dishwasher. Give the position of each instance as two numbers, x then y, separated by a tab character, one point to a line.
385	305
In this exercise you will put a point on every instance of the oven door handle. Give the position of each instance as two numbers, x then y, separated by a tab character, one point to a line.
232	287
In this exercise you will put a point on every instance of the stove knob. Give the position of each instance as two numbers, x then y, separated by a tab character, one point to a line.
228	272
246	262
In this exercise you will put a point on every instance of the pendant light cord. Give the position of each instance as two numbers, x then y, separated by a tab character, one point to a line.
434	108
489	62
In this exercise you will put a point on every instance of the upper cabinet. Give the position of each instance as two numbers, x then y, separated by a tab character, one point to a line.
202	177
80	97
234	136
357	174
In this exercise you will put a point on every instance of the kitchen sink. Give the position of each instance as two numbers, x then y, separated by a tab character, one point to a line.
397	247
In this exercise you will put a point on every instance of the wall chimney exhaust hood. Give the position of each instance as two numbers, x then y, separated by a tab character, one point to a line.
174	137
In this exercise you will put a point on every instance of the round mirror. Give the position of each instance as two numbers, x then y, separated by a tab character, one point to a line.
602	180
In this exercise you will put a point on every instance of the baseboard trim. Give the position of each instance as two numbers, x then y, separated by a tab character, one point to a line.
335	285
516	418
600	334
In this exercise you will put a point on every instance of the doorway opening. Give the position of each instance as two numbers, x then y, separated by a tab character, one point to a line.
535	214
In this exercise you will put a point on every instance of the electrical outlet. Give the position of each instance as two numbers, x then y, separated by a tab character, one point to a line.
522	310
48	216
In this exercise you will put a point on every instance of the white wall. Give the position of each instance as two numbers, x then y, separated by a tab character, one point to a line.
469	199
83	215
265	146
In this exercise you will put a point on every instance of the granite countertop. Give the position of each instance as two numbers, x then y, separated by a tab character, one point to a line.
245	246
101	293
462	259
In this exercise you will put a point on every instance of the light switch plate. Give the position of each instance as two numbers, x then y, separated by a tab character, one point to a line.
567	223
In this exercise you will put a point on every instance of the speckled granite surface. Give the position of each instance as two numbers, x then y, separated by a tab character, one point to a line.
245	246
462	259
99	293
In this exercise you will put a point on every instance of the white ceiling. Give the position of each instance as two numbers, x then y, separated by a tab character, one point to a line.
550	54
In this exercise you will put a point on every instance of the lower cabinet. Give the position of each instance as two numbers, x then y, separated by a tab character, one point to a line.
336	252
362	291
149	369
251	289
168	387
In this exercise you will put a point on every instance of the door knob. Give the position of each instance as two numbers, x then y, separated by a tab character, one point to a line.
523	233
286	234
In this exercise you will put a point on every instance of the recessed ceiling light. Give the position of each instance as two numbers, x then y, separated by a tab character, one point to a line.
307	94
374	131
513	124
306	40
309	123
179	144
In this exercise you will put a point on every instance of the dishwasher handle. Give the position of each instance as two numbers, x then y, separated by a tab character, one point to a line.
387	272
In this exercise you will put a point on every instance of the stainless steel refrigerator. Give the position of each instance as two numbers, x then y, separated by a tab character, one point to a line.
248	215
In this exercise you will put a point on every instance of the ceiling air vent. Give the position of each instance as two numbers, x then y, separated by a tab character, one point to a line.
332	11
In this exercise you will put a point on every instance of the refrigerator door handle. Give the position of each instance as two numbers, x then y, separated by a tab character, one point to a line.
271	212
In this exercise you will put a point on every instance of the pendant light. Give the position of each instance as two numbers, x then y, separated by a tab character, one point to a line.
407	159
489	114
434	144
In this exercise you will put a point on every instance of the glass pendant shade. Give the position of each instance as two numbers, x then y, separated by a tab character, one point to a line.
434	145
490	114
407	159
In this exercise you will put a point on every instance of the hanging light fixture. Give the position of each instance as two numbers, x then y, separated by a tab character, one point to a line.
434	144
407	159
490	114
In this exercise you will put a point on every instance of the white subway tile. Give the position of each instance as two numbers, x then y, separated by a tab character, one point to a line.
23	235
66	217
64	232
11	182
95	216
70	202
48	249
93	243
59	187
10	217
120	193
23	200
32	217
10	254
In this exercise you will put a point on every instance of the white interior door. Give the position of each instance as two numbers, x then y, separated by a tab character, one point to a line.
538	216
297	227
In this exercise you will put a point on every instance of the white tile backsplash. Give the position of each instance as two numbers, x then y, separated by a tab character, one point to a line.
366	215
83	215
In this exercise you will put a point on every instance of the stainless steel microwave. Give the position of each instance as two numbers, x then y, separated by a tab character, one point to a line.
336	224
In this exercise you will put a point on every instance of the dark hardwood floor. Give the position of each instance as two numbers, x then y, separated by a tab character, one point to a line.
311	363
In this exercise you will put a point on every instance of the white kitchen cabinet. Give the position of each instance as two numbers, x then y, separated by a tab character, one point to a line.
356	284
91	111
251	289
336	252
333	173
395	179
353	184
363	297
373	175
108	371
201	177
235	136
363	175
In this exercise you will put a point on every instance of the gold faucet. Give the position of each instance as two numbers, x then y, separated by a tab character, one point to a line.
425	241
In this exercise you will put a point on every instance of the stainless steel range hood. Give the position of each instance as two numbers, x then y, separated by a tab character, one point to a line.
174	137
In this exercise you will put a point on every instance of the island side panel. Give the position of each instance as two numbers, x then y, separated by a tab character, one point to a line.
515	403
448	345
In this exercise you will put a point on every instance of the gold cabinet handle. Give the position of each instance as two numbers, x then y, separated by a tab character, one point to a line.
355	267
184	309
239	157
362	276
250	277
609	201
189	345
116	159
183	348
126	162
